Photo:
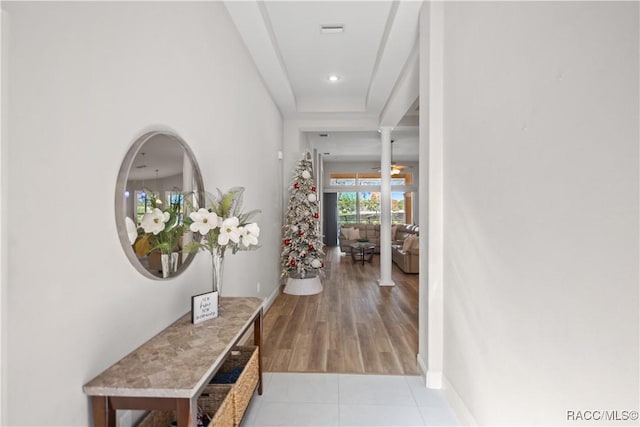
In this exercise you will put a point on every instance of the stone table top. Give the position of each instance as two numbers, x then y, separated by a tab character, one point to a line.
180	359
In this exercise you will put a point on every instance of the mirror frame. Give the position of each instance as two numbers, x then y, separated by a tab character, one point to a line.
121	187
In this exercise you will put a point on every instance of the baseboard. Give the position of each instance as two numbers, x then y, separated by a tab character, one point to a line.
271	298
457	404
438	381
248	337
434	379
422	365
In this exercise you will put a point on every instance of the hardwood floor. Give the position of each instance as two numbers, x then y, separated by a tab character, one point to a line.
353	326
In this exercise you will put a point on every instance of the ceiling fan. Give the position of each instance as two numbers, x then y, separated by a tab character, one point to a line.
395	167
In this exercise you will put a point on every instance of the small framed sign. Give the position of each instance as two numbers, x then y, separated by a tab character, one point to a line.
204	307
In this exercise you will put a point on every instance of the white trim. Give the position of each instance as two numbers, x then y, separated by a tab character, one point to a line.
434	379
358	189
423	183
405	91
422	365
254	27
434	104
457	404
384	283
4	276
266	305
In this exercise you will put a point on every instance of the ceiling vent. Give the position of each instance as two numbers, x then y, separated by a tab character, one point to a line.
332	29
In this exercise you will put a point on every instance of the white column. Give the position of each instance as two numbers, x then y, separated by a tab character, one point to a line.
4	30
385	208
432	153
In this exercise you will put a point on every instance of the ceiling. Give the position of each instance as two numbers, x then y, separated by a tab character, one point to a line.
161	156
295	58
364	145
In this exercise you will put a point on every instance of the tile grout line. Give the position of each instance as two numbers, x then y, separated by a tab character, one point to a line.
339	401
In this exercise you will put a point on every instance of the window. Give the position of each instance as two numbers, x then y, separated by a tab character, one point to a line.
146	201
364	206
369	207
347	207
143	205
176	201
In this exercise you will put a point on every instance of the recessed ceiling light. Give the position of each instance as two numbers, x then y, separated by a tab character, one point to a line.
334	78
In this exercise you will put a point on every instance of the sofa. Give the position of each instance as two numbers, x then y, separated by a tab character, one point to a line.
404	253
350	233
405	249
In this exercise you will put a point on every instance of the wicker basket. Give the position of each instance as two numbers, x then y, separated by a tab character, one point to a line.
216	400
242	390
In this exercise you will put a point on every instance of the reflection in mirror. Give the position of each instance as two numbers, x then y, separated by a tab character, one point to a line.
157	179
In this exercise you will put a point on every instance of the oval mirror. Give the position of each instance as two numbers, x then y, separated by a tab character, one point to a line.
158	180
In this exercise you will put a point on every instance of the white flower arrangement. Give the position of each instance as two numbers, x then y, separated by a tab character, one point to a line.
155	221
223	225
162	229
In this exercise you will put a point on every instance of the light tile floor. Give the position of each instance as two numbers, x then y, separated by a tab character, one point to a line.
347	400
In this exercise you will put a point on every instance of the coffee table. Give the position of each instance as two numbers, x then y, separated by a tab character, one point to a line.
360	250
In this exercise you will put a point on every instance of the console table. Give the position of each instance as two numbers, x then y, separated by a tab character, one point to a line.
171	370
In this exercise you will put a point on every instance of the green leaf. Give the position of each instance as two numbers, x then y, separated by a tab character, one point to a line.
192	247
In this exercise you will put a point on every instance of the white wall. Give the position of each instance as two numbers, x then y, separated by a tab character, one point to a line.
4	31
541	208
85	80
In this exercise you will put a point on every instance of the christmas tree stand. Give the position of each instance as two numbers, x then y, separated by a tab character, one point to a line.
306	286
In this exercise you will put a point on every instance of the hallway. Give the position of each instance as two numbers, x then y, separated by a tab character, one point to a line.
353	326
348	400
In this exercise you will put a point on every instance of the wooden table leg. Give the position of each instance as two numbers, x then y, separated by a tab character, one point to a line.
187	412
103	414
257	340
371	254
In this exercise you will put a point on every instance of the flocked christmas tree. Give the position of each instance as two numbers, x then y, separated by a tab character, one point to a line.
302	245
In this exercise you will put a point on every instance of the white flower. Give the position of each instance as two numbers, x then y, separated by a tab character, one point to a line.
203	221
294	228
306	174
153	222
250	233
132	231
229	231
311	197
316	263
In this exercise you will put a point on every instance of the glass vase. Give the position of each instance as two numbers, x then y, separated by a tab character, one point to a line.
174	261
216	276
165	261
